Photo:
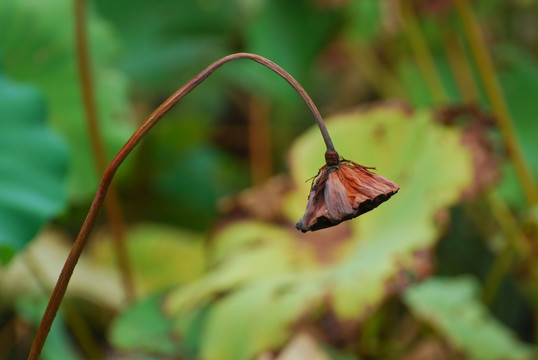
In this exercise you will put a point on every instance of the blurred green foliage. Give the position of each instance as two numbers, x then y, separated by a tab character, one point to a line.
451	305
220	276
33	167
38	48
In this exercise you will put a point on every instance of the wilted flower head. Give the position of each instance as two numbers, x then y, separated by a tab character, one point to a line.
341	191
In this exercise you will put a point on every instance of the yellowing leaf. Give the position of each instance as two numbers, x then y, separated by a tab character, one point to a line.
37	268
160	256
265	279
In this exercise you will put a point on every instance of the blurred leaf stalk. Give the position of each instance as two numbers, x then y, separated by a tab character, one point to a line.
112	203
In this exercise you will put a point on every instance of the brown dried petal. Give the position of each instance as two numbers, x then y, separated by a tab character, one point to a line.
315	209
365	189
343	192
335	197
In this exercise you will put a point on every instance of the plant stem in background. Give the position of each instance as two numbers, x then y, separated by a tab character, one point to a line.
459	65
516	245
79	328
494	93
423	56
378	75
71	261
259	138
112	204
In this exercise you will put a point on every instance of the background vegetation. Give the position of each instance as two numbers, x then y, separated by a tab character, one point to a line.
439	95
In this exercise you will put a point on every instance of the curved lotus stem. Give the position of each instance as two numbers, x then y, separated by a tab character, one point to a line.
71	261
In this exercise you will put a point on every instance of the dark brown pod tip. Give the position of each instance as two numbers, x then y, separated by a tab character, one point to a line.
343	190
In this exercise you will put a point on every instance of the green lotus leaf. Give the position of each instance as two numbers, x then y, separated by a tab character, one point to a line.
37	43
264	278
452	307
33	167
143	327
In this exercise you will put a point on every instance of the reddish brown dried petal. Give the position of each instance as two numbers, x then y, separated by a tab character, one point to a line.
315	209
363	186
343	192
336	199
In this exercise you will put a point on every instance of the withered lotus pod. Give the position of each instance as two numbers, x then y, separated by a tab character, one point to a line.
343	190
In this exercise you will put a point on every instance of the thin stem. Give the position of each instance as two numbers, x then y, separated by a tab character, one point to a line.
259	140
459	65
496	99
71	261
73	319
378	75
516	245
423	56
112	204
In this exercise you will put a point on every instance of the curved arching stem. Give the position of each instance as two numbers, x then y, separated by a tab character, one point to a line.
72	259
